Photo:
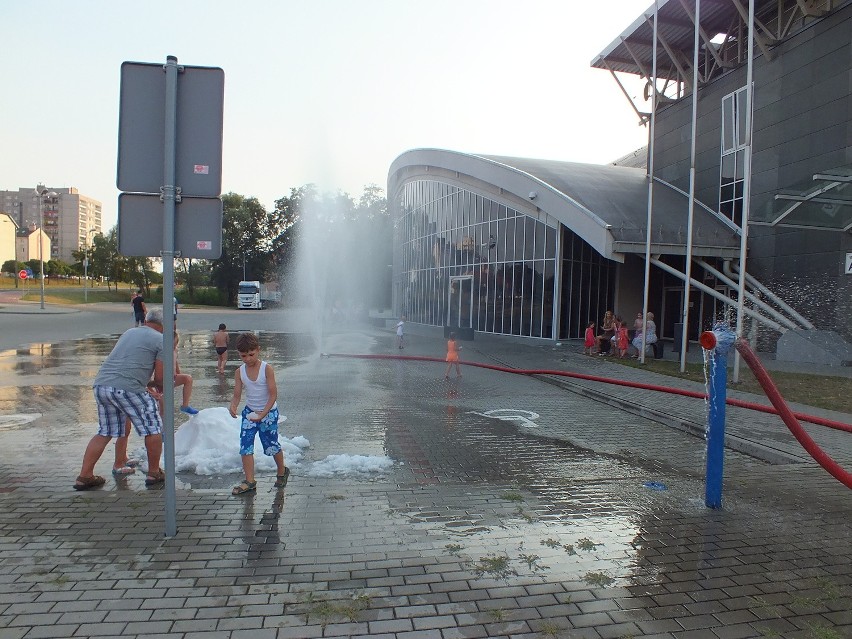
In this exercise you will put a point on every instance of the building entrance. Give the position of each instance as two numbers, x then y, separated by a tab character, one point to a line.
460	302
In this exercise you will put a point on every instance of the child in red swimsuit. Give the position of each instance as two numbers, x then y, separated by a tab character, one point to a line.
452	356
591	340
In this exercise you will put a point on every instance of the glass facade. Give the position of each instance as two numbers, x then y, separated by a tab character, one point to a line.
588	286
464	260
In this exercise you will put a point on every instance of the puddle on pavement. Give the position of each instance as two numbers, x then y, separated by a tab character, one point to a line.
509	500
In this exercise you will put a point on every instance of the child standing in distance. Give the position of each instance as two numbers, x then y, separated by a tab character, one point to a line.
591	340
452	356
400	331
220	343
622	338
260	414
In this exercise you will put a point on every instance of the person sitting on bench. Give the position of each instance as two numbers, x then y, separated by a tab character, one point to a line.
650	336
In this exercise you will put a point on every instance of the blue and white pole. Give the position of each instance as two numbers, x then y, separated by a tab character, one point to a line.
717	342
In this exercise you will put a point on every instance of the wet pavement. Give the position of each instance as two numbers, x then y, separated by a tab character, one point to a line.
583	517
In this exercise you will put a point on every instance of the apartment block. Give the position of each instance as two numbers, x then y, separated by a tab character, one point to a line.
68	218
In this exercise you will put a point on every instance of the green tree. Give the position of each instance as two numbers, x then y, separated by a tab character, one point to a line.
12	266
35	267
80	254
245	244
348	244
56	267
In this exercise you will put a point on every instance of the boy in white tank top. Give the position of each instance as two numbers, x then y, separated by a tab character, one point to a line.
260	414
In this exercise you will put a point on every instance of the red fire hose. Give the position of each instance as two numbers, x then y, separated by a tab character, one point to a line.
820	456
812	419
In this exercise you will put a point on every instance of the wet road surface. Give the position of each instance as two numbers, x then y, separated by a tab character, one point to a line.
547	526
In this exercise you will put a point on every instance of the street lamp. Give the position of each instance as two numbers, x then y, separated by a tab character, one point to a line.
42	195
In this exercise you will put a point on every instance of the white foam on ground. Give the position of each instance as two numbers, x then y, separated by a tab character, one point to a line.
338	465
209	444
11	421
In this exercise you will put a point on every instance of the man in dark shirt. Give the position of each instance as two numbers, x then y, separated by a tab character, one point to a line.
139	308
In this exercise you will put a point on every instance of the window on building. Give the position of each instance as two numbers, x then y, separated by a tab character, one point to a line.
732	164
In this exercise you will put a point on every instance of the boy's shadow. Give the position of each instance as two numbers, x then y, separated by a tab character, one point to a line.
264	538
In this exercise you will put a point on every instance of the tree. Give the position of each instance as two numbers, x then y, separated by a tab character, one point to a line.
12	266
245	244
345	248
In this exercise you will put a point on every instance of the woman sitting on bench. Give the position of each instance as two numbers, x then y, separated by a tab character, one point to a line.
650	335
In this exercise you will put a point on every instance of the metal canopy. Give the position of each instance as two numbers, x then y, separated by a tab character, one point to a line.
604	205
824	203
723	41
617	195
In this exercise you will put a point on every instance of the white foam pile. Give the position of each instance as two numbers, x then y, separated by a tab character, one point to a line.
209	444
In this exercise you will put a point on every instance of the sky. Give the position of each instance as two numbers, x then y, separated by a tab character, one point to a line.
328	92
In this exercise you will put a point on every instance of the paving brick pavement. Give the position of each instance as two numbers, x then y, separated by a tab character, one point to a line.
483	528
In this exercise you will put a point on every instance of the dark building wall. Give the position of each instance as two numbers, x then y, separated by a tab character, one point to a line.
802	126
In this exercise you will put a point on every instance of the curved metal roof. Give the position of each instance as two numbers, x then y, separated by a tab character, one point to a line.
605	205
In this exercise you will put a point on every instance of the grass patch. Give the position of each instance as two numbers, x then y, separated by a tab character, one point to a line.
498	615
62	295
512	496
533	562
822	391
599	579
493	566
549	629
587	544
325	612
822	632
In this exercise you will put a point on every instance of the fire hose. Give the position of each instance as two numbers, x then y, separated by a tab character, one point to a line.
812	419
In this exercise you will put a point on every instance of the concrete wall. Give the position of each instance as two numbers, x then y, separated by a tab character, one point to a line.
802	126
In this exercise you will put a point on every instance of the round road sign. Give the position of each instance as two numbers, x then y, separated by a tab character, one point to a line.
22	274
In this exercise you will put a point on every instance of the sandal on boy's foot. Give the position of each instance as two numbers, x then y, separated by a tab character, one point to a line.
85	483
123	471
281	480
244	487
155	478
189	410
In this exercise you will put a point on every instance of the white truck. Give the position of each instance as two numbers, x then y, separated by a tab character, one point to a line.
253	294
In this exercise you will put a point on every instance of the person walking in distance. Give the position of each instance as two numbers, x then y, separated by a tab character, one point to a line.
139	308
220	343
400	332
260	414
120	392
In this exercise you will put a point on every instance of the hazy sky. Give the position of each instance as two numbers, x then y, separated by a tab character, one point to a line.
323	91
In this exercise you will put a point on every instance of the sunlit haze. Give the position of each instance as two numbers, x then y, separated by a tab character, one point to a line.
328	92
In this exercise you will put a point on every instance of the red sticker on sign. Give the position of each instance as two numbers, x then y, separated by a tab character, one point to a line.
201	169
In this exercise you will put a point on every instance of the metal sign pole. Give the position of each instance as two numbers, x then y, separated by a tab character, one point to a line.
169	195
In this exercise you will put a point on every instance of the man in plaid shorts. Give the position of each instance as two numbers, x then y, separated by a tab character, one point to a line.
121	392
